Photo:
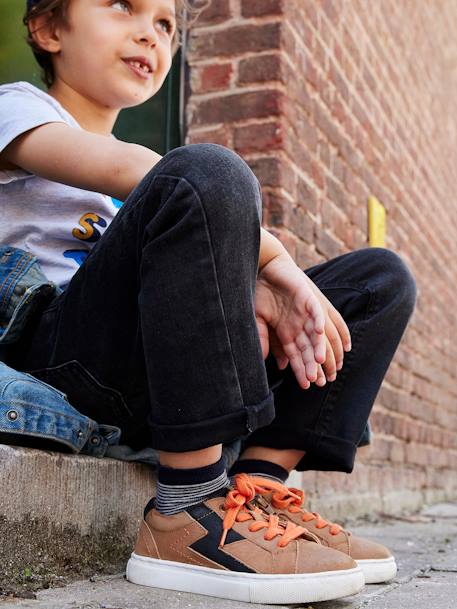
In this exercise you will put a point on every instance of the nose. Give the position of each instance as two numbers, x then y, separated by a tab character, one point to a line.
146	33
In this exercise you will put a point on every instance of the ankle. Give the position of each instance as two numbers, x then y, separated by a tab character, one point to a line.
286	458
191	459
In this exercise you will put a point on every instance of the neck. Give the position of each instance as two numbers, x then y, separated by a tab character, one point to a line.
89	114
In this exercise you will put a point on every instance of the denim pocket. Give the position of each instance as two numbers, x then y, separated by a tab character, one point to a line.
89	396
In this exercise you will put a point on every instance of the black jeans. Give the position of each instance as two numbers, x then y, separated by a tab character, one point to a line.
156	331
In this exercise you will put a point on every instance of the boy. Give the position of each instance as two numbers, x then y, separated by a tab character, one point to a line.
180	297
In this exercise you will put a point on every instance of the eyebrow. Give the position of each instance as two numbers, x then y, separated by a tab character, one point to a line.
170	12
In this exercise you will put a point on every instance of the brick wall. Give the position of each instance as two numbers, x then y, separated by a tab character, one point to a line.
330	101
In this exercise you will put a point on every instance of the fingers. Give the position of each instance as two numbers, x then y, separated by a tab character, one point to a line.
321	381
262	329
301	357
296	363
316	312
276	349
317	338
341	328
334	352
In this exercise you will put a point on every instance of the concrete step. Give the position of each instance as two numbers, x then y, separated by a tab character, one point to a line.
67	514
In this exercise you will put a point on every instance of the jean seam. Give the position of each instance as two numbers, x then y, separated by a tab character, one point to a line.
208	234
353	286
332	394
213	260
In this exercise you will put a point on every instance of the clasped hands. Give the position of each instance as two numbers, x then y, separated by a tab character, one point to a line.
298	323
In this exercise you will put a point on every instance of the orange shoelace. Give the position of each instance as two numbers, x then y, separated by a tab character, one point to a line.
292	500
246	488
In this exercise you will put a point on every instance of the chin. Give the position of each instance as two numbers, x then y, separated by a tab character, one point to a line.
139	95
132	102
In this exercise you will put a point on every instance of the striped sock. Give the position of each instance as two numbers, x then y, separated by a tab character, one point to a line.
181	488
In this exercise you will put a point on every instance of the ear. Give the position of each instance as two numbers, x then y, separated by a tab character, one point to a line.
45	33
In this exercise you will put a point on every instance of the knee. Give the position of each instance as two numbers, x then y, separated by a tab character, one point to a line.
395	280
217	173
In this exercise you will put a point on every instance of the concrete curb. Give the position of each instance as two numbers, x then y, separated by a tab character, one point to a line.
48	530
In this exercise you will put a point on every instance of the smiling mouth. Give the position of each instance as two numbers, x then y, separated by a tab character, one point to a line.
139	65
137	70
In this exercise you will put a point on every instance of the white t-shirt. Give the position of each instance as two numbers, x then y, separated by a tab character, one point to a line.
57	223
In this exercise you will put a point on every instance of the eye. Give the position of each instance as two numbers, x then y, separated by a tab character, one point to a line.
123	3
167	25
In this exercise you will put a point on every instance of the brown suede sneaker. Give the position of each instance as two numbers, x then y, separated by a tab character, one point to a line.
377	563
228	548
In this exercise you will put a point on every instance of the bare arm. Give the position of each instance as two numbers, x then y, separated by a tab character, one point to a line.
270	247
61	153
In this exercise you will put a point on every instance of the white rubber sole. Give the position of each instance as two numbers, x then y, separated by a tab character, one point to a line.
247	587
377	571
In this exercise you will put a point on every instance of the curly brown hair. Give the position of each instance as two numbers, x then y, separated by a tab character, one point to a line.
186	14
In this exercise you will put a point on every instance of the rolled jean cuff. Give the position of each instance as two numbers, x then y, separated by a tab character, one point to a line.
330	454
323	452
222	429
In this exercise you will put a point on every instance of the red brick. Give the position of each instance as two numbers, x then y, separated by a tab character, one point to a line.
213	136
317	174
260	137
331	10
328	126
307	133
311	13
336	193
324	153
306	256
216	12
260	69
307	196
311	73
214	77
261	8
267	170
277	209
358	117
242	106
234	41
327	245
335	220
302	224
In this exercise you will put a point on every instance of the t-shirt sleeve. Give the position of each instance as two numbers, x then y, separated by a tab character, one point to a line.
21	111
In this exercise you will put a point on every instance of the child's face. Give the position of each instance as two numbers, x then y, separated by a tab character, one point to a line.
102	36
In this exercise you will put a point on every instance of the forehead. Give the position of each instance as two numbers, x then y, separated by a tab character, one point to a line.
166	6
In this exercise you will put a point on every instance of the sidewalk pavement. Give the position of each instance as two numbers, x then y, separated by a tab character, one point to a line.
424	544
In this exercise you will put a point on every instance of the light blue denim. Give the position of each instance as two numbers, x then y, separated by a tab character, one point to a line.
31	408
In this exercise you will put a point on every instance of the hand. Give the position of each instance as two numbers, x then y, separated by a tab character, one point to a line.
290	319
338	338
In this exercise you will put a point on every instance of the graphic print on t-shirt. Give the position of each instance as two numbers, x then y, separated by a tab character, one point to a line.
57	223
89	234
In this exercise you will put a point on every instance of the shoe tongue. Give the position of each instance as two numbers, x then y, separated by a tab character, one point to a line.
262	503
265	506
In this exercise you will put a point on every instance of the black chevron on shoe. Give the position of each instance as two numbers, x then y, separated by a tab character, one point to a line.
208	546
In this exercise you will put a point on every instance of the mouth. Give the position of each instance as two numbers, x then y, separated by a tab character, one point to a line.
139	65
